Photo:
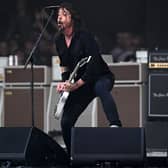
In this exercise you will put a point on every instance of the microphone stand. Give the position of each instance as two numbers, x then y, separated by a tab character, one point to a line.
31	60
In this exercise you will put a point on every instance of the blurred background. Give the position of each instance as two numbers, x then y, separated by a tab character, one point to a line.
131	24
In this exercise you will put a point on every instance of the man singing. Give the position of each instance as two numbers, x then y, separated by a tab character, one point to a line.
92	80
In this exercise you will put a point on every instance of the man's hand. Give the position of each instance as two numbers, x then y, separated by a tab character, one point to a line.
69	87
61	86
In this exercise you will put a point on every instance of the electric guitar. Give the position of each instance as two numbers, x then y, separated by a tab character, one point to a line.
58	110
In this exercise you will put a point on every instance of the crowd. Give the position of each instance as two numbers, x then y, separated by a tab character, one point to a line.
126	45
22	33
25	27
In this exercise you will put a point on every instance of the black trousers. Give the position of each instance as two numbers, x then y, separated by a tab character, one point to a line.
80	99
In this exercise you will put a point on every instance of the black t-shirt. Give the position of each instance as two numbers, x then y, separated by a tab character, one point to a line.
82	45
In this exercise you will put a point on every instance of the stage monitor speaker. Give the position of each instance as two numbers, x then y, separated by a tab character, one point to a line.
29	146
122	145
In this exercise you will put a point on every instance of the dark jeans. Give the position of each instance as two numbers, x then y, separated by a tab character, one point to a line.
79	100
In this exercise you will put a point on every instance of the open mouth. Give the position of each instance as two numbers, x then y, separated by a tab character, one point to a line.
60	25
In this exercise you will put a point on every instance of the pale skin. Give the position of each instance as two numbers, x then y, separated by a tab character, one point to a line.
65	24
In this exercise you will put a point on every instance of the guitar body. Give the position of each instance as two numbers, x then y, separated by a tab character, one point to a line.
60	105
62	99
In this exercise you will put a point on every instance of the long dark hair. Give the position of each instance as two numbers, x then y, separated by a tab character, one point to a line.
78	24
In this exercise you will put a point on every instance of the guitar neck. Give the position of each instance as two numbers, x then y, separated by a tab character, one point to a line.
72	75
81	63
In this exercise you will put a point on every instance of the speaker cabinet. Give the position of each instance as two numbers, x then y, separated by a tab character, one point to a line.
158	95
107	145
156	136
29	146
19	75
156	125
1	104
18	107
137	72
131	105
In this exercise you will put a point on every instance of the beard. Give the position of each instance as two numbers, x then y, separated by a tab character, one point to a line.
60	26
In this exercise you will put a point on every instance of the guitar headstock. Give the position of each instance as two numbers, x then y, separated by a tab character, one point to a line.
84	61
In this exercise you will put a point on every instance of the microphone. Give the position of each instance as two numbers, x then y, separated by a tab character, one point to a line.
52	7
